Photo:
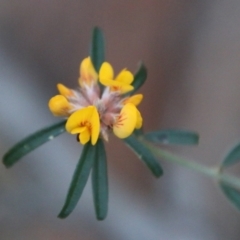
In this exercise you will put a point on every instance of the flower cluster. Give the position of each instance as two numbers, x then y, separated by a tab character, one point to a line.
100	105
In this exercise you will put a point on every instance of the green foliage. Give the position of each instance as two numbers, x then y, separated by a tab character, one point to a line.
232	194
173	136
97	48
139	78
31	142
79	179
93	158
232	157
145	155
100	181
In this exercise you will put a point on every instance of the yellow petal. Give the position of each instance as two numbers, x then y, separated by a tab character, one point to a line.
95	129
126	121
66	92
125	76
106	72
84	137
79	118
78	130
117	86
106	82
135	99
121	87
59	105
86	122
88	74
139	120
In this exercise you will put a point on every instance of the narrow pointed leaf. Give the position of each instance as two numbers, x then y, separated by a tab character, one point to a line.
32	142
232	194
79	179
97	49
232	157
139	78
145	155
173	136
100	182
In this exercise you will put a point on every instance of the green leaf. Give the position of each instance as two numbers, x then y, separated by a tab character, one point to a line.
173	136
97	50
138	132
79	179
139	78
145	155
100	182
232	194
232	157
31	142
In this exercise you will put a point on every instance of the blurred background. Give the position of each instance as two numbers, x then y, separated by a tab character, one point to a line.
192	51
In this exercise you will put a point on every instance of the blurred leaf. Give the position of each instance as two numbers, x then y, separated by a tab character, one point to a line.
138	132
139	78
173	136
100	181
79	179
31	142
145	155
232	194
97	50
232	157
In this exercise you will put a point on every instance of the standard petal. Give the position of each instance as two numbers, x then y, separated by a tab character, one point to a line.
59	105
135	99
66	92
106	72
88	74
125	76
126	121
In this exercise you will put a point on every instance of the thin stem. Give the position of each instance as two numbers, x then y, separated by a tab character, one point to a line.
212	172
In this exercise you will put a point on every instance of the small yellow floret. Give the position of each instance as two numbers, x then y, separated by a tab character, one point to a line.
126	121
88	74
86	123
59	105
122	82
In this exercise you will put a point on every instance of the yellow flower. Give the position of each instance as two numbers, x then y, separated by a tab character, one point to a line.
86	123
88	74
93	112
59	106
128	119
122	82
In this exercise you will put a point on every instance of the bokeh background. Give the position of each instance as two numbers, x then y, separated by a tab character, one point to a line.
192	51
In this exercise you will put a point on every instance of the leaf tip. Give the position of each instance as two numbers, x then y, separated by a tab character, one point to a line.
6	162
159	173
101	218
63	214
